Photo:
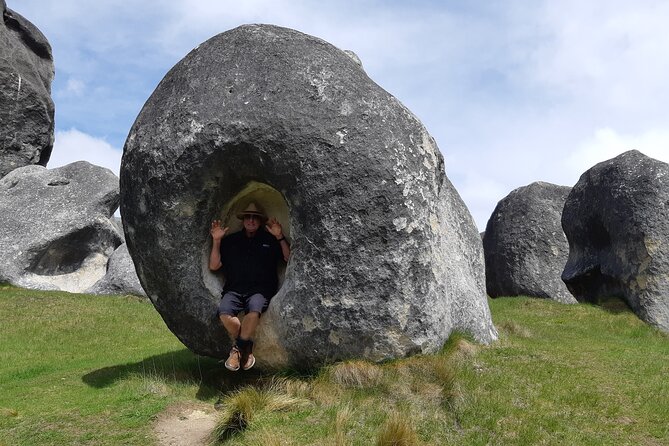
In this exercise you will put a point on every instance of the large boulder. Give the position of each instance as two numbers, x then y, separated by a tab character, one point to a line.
55	232
121	277
26	108
524	245
617	222
386	260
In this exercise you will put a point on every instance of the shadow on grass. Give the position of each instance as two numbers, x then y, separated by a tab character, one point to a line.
614	305
180	367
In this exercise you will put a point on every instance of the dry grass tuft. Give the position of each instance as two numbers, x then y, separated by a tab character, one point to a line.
514	328
446	374
154	386
267	437
355	374
242	406
6	412
397	431
342	420
326	393
299	388
465	349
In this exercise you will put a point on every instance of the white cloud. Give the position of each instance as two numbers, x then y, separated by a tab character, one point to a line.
606	143
513	93
73	145
611	57
480	192
75	86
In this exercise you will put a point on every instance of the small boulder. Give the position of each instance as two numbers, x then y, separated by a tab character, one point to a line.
121	277
525	246
616	219
55	228
386	260
26	108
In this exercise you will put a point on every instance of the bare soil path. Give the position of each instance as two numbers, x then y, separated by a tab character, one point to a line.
185	424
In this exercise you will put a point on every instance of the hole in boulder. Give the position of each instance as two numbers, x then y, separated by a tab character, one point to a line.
274	205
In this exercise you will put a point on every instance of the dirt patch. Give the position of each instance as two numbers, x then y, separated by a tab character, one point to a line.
185	424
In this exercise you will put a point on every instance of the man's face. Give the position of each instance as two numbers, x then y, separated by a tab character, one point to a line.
251	223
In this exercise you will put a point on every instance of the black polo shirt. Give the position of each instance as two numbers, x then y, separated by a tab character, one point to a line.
250	263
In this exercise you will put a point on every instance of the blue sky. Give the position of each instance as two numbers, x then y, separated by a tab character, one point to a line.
513	92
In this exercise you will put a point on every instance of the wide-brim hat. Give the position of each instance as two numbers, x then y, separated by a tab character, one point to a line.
252	209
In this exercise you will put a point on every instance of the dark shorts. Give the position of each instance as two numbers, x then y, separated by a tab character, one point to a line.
234	303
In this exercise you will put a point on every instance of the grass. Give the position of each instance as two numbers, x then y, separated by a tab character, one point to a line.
91	370
77	369
397	431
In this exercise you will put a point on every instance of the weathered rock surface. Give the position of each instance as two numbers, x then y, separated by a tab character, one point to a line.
616	219
524	245
121	277
386	258
26	108
55	231
118	224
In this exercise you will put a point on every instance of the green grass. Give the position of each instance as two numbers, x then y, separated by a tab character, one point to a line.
78	369
90	370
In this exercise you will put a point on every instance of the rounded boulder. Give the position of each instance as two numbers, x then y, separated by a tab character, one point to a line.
26	107
386	260
524	244
616	219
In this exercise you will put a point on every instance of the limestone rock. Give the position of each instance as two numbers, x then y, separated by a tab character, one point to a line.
386	258
55	231
616	219
525	247
118	224
121	277
26	108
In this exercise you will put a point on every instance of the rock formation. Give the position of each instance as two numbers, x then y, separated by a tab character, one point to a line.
55	231
386	258
616	219
524	245
121	277
26	108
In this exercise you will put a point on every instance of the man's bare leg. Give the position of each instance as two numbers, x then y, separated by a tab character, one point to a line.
249	325
245	343
232	325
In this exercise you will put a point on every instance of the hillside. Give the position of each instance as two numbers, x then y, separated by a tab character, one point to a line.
81	369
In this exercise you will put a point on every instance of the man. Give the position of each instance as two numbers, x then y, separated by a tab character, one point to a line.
249	259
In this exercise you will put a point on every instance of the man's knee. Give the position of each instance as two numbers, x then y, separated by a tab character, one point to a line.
257	304
228	320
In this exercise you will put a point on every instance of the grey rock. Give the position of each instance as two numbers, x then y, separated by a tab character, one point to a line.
55	232
354	56
525	246
616	219
386	258
121	277
26	108
118	224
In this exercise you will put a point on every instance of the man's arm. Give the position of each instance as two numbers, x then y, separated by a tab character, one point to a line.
274	228
217	234
285	249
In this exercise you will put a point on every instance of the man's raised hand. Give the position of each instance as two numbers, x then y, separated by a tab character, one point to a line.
274	227
217	232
